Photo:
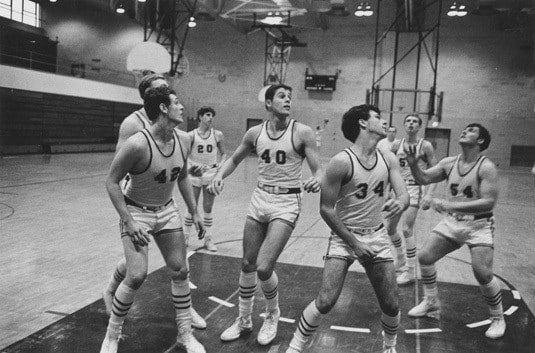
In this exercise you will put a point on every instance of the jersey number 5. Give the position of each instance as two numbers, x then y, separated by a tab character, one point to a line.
162	176
280	157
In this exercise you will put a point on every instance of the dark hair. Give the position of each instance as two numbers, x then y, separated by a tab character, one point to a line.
484	134
153	98
270	92
146	81
350	120
416	116
204	110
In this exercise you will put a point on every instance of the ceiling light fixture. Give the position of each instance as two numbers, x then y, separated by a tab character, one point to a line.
192	23
457	10
120	9
364	9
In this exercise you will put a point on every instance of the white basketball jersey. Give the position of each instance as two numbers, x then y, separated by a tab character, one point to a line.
154	186
361	199
405	168
141	114
279	163
464	187
203	150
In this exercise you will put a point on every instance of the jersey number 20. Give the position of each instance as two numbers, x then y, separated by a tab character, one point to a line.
209	148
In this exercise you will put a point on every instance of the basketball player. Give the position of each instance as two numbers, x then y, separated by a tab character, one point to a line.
407	267
386	143
132	124
472	185
207	154
155	160
281	144
354	192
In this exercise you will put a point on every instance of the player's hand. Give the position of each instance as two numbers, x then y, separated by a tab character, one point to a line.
363	251
136	232
216	185
198	225
441	205
412	154
391	208
426	202
312	184
196	170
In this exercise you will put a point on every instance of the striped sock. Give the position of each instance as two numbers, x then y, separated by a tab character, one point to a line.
181	302
207	223
429	279
188	223
410	244
493	296
122	301
390	328
271	293
400	250
308	323
247	291
117	277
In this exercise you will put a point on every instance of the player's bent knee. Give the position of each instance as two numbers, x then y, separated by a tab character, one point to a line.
425	258
135	279
264	272
483	275
325	303
247	266
179	273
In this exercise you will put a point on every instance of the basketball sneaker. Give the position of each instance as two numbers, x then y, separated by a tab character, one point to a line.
296	345
497	328
186	340
111	340
209	244
196	320
407	276
428	307
241	325
268	331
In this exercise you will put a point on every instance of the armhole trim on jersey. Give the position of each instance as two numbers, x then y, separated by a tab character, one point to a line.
150	152
478	168
192	139
401	143
264	125
386	163
179	145
302	154
453	166
344	182
141	118
362	165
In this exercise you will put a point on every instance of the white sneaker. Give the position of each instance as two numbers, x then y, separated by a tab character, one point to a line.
196	320
497	328
387	349
186	340
240	325
107	296
111	341
209	245
407	276
268	331
400	264
428	307
296	345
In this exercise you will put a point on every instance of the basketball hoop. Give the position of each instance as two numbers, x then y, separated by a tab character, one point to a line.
262	93
146	57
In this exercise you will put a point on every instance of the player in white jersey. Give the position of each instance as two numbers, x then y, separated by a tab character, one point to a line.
155	161
281	144
406	253
473	191
207	154
132	124
354	193
385	144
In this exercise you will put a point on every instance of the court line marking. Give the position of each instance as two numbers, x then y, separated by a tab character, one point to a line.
220	305
478	324
511	310
350	329
516	294
191	285
423	330
283	319
221	301
56	313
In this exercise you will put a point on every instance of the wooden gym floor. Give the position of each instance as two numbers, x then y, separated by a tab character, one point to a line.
60	243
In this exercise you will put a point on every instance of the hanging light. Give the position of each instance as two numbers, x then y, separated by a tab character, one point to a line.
462	11
141	0
360	10
368	9
364	9
192	23
120	9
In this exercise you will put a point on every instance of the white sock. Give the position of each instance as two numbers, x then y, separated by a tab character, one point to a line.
247	292
429	279
208	221
122	301
493	296
390	328
308	323
271	292
188	223
181	302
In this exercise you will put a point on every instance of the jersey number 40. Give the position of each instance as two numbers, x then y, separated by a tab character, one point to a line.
280	157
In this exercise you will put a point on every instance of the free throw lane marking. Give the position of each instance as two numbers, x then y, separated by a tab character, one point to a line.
511	310
192	286
283	319
221	301
350	329
423	330
480	323
516	294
